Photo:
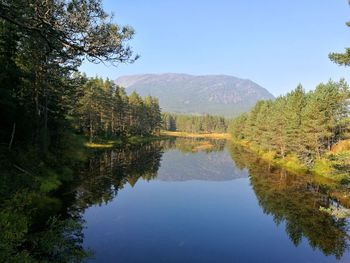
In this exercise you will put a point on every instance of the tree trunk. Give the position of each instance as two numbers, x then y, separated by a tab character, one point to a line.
90	128
12	135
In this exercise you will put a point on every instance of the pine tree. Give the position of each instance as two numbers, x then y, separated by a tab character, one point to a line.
295	104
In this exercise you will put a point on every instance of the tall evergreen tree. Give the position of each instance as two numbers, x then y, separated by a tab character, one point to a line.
305	124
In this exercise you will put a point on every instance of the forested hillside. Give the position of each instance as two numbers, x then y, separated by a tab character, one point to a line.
303	124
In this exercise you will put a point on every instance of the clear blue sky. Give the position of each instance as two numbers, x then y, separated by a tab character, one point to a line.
276	43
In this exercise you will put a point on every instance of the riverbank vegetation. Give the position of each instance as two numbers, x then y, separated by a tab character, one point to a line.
47	108
104	111
219	136
46	105
303	130
300	130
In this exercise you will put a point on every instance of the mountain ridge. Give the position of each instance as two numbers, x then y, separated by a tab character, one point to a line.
197	94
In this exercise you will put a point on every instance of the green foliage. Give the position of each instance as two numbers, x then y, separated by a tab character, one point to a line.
323	167
341	58
42	43
305	125
39	58
104	111
194	124
30	234
50	183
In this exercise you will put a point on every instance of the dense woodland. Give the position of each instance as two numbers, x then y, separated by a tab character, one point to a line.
307	124
46	106
312	126
193	123
104	110
42	95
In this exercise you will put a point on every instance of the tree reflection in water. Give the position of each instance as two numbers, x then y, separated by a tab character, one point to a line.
37	226
108	171
42	227
295	200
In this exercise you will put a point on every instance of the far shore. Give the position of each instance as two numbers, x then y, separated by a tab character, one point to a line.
217	136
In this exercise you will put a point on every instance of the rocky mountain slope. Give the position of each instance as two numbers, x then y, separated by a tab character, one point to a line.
182	93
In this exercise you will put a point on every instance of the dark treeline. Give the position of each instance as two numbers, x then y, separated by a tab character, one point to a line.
41	46
303	123
194	124
104	110
44	101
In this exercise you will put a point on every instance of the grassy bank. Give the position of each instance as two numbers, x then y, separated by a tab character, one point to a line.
135	140
334	165
132	140
216	136
102	144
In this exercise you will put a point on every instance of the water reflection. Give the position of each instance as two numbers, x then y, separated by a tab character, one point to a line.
194	209
38	227
291	199
295	200
194	145
108	171
197	159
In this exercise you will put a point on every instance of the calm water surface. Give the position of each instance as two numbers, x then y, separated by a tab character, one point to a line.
198	201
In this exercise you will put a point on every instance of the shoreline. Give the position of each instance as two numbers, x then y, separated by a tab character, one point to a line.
293	165
133	140
215	136
322	169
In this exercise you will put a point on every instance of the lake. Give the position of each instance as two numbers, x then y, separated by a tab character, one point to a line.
188	200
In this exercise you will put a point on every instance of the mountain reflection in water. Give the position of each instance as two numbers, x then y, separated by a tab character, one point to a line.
179	200
292	200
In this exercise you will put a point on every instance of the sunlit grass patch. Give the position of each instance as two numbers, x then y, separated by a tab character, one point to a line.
98	145
322	167
269	156
335	165
341	146
292	162
196	135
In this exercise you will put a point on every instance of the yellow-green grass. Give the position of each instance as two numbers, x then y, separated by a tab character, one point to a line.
217	136
323	169
341	146
134	140
200	146
98	145
101	144
144	139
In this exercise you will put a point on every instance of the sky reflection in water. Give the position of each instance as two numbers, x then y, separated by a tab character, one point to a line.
173	202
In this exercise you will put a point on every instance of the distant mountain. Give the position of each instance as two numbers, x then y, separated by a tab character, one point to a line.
182	93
